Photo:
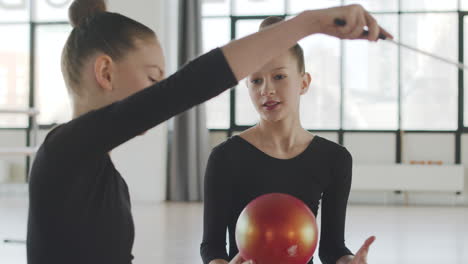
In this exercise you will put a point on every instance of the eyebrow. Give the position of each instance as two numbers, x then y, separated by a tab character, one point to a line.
275	69
280	68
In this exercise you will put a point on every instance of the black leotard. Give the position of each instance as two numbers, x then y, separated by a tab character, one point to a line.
238	172
79	204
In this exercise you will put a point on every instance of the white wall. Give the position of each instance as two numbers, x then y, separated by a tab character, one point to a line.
142	161
371	147
379	148
12	139
159	15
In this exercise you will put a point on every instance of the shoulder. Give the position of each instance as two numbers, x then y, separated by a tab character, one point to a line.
228	147
222	159
334	150
54	142
53	133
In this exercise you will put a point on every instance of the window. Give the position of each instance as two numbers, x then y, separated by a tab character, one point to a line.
465	22
36	33
216	33
14	72
378	5
297	6
320	106
371	82
50	93
429	87
356	85
252	7
245	110
51	10
429	5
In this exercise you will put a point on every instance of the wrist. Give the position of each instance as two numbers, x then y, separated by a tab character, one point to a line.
310	21
219	261
345	259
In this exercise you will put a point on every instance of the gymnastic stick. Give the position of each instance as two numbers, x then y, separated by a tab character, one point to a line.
341	22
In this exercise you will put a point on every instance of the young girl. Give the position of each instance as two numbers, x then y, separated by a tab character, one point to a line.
278	155
79	204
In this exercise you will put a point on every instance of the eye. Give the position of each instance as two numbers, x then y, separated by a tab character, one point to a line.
256	81
279	76
152	80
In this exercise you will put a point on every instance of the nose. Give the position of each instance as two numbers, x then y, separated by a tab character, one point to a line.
267	89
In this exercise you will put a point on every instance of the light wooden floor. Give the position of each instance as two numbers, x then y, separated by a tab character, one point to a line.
171	233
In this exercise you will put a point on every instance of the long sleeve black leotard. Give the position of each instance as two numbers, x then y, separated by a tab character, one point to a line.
238	172
79	203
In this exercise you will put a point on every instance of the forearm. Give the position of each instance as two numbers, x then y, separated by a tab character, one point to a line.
102	130
219	261
345	259
248	54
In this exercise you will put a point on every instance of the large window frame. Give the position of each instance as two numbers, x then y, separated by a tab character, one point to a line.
33	25
458	132
233	127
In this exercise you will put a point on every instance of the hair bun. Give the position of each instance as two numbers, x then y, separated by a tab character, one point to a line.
80	10
270	21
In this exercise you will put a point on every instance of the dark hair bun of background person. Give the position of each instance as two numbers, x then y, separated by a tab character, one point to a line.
270	21
80	10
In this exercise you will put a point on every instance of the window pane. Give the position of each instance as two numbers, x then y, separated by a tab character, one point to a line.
297	6
429	5
465	77
14	10
217	111
429	87
245	111
320	106
371	81
51	93
216	7
246	114
255	7
377	5
246	27
217	32
14	73
51	10
464	5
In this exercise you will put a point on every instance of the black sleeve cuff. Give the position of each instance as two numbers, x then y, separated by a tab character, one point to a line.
209	253
331	256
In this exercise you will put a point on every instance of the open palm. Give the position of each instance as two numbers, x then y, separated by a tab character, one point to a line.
361	255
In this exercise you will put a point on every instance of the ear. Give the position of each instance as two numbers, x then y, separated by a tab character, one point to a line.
306	80
103	71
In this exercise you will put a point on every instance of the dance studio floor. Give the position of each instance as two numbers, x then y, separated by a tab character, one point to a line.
171	233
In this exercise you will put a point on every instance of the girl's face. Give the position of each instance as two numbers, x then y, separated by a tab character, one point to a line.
275	90
139	69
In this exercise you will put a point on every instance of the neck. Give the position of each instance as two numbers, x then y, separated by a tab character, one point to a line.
90	98
80	109
82	106
285	134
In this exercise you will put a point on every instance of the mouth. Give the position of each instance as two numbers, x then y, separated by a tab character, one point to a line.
271	105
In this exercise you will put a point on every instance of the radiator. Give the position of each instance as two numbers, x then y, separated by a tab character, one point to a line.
402	177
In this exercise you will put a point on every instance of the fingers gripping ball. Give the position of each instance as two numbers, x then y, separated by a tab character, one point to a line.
277	229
